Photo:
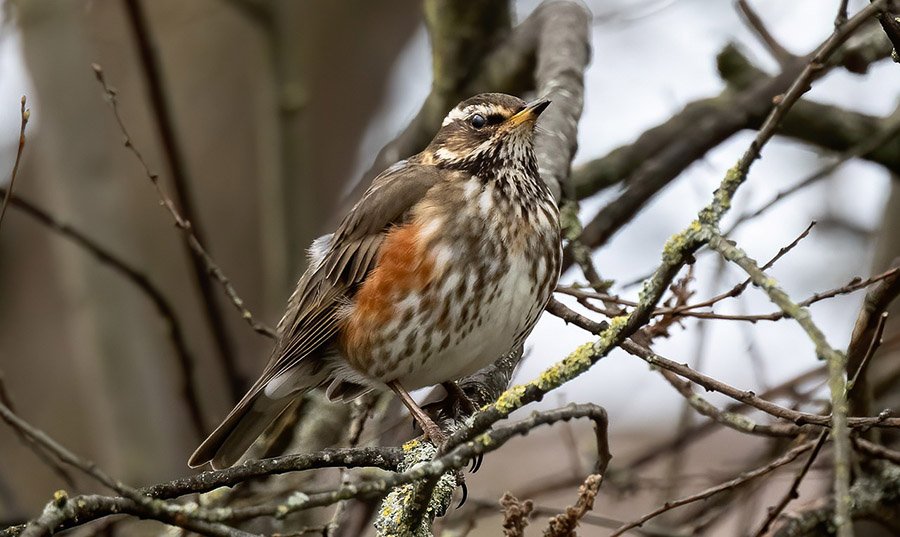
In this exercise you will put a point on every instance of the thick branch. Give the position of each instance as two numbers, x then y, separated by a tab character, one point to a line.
660	154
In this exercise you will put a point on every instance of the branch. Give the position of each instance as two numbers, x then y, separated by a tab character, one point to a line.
92	507
785	459
660	154
186	360
794	491
25	113
37	448
882	138
712	384
386	458
562	57
836	381
872	496
184	225
150	65
756	24
865	339
819	124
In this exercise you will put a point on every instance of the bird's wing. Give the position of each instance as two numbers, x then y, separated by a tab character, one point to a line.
338	263
343	261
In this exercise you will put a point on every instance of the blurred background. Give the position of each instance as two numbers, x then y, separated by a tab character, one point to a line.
277	118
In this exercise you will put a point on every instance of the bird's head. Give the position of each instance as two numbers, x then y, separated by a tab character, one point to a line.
485	133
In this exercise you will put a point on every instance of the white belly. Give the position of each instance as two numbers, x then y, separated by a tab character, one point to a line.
508	308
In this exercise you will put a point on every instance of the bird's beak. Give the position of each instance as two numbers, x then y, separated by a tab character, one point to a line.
530	113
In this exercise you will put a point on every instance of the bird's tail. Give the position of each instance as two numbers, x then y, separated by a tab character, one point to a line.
239	430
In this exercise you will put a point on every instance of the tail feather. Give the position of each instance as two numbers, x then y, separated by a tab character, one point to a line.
238	431
266	400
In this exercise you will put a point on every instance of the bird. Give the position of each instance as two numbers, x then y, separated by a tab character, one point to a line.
444	265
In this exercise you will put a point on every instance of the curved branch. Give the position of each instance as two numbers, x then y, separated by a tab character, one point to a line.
142	282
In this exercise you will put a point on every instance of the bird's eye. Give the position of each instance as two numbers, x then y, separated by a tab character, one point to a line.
478	121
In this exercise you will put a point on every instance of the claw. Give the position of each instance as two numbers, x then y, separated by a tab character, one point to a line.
465	494
476	463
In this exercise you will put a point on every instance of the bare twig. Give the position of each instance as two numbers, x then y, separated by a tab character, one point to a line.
93	506
887	131
836	381
712	384
25	113
793	492
759	28
59	451
866	338
37	448
162	113
873	346
142	282
386	458
186	227
876	450
785	459
687	310
841	16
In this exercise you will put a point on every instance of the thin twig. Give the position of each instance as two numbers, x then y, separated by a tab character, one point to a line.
876	450
756	24
785	459
186	361
386	458
888	130
836	381
181	223
873	346
712	384
58	450
864	341
841	16
162	113
33	445
853	285
793	491
25	113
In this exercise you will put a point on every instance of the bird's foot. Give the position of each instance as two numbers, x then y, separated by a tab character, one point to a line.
460	398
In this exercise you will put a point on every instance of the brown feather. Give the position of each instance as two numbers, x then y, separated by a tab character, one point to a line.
313	314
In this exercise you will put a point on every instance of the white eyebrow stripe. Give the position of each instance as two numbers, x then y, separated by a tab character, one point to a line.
462	113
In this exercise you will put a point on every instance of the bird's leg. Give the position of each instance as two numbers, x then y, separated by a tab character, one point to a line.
467	406
431	429
454	391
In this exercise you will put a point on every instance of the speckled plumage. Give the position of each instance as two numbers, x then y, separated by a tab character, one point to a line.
444	265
